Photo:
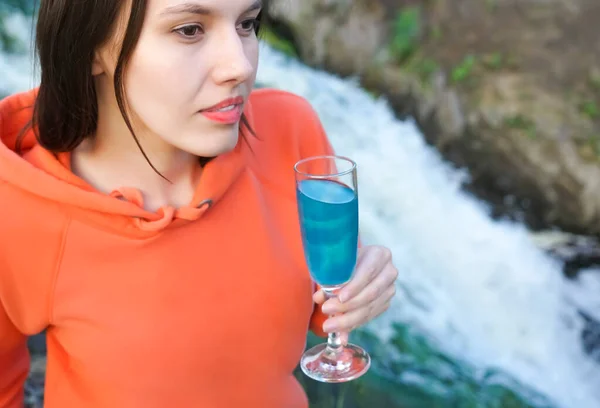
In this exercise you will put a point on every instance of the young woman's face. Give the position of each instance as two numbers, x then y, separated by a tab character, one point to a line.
191	73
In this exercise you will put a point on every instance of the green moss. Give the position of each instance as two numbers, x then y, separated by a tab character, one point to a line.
522	123
491	5
464	69
590	109
494	61
594	80
373	93
406	33
422	66
594	144
436	33
274	40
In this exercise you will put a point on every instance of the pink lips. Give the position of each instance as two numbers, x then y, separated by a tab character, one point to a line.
227	112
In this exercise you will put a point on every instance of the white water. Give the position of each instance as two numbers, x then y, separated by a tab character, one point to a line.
16	69
479	287
585	292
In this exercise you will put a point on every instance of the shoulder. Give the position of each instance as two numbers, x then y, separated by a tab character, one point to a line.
30	224
22	212
287	120
277	109
30	246
282	101
287	129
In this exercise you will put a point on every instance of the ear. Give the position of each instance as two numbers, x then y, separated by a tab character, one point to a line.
97	66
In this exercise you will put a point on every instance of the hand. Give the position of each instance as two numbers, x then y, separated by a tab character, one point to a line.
365	297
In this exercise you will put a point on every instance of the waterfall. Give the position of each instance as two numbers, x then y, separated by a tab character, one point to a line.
478	287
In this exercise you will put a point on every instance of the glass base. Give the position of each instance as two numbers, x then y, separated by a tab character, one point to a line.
347	364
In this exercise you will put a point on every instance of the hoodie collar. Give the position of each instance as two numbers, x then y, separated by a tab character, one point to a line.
47	175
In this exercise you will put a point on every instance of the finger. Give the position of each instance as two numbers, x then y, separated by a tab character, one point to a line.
379	310
353	320
368	266
386	279
350	321
344	338
319	297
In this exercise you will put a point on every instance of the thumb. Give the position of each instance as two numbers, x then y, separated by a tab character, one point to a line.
319	297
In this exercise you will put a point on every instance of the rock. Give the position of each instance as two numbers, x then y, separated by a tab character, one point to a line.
411	371
37	344
327	31
577	252
509	89
34	387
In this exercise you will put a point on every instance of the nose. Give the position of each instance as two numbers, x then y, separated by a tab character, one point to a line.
233	64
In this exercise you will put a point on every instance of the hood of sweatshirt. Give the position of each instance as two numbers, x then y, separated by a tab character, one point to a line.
47	176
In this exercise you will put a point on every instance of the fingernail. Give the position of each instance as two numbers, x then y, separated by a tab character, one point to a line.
342	297
327	308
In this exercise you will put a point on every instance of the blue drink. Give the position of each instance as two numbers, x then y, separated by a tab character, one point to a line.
329	222
327	196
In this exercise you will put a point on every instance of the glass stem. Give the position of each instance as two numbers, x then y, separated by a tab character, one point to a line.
334	341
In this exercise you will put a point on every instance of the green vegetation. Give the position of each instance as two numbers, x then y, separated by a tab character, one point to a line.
436	33
277	42
594	80
406	34
404	46
590	109
494	61
422	66
491	5
375	94
464	69
594	143
589	148
523	123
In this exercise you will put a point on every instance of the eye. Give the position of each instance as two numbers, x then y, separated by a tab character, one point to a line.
249	26
190	32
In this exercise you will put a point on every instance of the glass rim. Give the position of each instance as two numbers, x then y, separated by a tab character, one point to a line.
338	174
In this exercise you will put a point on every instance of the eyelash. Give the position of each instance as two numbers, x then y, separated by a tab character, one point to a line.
246	31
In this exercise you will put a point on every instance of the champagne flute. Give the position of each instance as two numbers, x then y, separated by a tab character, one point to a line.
327	195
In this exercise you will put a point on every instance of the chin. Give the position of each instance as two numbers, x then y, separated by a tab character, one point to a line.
218	146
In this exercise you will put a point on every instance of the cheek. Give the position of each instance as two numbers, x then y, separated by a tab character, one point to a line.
151	77
252	54
161	86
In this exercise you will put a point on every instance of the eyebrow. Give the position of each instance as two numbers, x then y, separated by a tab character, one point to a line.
194	8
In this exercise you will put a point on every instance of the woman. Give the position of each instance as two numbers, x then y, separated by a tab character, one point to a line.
149	220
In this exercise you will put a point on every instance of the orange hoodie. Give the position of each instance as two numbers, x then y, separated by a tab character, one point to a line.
202	306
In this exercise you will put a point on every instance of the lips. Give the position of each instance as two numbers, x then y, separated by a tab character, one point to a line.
228	111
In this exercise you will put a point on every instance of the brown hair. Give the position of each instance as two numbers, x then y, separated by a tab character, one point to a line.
67	35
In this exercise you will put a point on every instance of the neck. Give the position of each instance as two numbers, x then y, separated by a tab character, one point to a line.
111	159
